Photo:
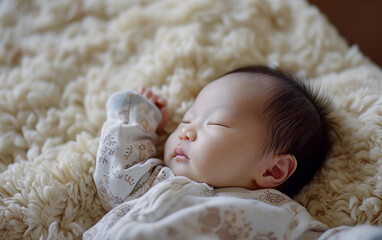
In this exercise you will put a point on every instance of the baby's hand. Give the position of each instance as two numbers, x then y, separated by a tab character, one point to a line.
161	103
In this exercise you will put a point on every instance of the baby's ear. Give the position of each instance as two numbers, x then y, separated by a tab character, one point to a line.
278	170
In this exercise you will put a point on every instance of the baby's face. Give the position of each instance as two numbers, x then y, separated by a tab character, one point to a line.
220	139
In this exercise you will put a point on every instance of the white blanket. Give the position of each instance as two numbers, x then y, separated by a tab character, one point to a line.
61	60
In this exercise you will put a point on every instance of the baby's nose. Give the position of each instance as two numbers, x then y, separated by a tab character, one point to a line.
187	134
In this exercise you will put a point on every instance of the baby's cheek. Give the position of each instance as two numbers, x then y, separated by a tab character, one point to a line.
167	148
171	142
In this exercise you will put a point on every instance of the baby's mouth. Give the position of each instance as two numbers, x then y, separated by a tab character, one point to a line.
179	155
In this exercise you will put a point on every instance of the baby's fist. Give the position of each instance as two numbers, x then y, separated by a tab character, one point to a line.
161	103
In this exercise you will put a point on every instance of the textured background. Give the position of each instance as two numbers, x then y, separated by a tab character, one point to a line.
60	60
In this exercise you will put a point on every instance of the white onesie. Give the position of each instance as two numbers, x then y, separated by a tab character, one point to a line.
146	201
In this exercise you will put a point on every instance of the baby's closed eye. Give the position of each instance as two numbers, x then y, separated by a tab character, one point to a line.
217	124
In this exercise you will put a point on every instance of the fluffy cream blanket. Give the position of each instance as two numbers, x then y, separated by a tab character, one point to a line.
60	60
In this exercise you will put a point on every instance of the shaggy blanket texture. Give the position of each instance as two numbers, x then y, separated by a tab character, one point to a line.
61	60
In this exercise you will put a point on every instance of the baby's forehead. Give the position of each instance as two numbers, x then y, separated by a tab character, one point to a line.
253	79
249	92
253	84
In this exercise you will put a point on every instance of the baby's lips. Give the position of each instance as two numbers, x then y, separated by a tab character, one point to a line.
179	152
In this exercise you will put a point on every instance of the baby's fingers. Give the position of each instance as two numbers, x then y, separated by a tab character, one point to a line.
148	93
141	90
161	102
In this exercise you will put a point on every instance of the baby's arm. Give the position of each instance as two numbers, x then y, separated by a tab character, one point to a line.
127	141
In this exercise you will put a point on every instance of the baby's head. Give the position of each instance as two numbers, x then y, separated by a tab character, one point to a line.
255	128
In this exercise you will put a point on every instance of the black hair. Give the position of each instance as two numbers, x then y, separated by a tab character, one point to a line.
297	123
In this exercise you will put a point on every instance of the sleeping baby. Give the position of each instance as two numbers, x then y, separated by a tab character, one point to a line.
250	141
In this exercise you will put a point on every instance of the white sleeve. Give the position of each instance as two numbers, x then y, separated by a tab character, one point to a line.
314	230
126	143
364	232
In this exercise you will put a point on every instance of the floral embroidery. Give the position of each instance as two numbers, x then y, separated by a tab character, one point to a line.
116	199
105	153
115	173
103	183
90	234
106	150
129	151
146	119
209	219
144	125
272	197
121	210
126	178
142	155
130	180
103	189
109	141
115	215
265	236
293	224
124	115
145	150
229	224
294	208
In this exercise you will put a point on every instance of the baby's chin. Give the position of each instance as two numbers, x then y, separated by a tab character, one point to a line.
178	171
167	163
